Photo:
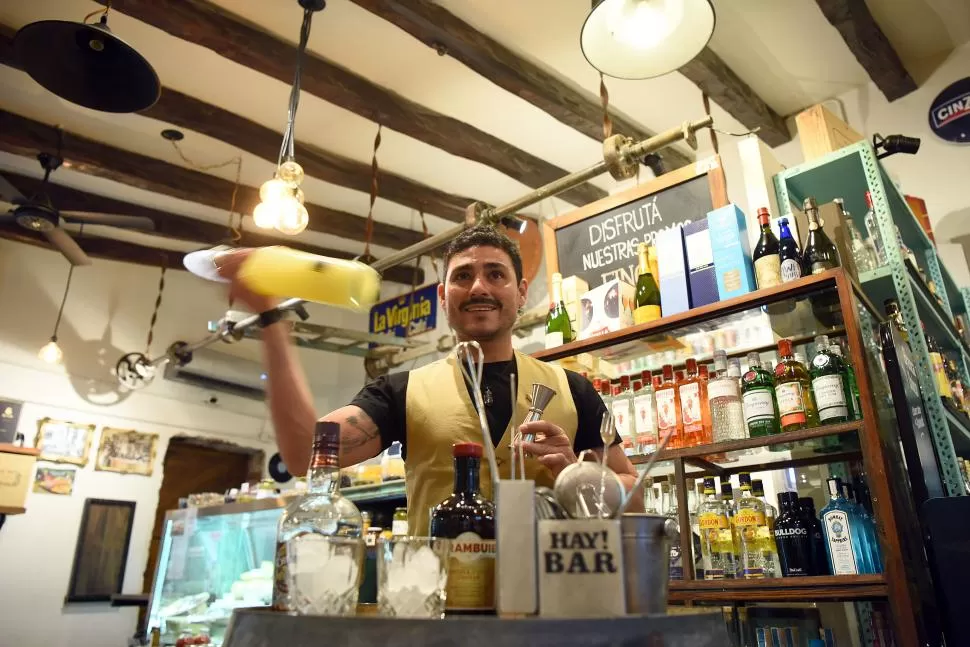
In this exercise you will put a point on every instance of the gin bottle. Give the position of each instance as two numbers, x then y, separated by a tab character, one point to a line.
828	385
843	536
724	394
851	385
755	539
322	512
820	560
645	422
717	542
872	228
872	562
793	538
758	398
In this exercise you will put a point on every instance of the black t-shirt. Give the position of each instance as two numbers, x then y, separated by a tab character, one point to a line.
384	401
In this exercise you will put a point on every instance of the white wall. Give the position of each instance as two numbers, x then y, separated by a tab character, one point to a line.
107	315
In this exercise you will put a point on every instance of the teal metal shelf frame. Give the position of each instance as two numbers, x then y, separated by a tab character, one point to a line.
848	173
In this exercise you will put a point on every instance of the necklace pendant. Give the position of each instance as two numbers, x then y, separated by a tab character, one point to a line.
487	396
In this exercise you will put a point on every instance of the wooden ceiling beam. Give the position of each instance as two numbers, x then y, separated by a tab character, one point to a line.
869	45
23	136
725	88
448	34
208	25
190	113
179	227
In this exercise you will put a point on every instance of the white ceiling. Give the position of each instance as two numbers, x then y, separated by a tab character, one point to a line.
785	50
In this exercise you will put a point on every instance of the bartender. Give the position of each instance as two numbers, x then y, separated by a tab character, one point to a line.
428	409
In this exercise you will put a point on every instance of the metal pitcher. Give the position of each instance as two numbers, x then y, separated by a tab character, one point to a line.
646	557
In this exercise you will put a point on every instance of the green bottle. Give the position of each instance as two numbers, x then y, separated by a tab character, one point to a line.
558	329
851	385
758	399
828	384
647	296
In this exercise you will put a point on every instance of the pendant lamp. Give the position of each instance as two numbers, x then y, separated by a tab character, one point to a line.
51	352
641	39
86	64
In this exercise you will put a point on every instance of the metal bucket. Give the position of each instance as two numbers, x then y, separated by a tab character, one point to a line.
646	560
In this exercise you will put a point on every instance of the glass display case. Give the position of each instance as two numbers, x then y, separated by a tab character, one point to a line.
219	558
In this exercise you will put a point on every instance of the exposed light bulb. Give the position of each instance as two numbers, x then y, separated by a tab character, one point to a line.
275	189
291	173
293	217
644	24
51	352
265	214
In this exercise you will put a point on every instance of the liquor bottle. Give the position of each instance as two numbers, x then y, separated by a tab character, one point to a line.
862	253
820	253
843	539
693	393
399	523
668	409
872	559
694	497
647	297
649	497
645	410
909	258
939	370
717	541
793	538
771	516
851	385
758	397
321	511
756	543
730	507
622	407
793	390
606	394
895	317
559	330
788	253
672	511
872	228
956	385
468	519
724	396
820	559
828	386
767	264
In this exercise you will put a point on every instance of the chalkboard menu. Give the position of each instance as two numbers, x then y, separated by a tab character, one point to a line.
598	242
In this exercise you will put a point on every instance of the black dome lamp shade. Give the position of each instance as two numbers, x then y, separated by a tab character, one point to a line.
87	65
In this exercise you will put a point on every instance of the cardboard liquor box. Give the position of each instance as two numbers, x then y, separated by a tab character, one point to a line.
672	266
16	467
700	263
606	308
732	253
918	207
821	132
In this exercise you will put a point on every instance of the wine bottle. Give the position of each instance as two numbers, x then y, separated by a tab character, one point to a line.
647	298
767	263
820	253
558	329
788	254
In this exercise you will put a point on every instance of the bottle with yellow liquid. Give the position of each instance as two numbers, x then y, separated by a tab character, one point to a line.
647	296
283	272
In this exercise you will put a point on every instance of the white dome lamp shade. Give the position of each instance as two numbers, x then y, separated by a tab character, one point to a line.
641	39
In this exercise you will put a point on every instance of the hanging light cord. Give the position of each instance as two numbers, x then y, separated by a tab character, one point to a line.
235	233
374	168
287	150
605	101
158	304
103	12
60	311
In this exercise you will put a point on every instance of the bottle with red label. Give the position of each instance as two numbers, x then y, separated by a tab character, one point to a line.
793	390
622	406
692	392
668	409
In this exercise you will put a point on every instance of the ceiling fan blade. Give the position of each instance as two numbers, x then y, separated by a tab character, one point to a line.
109	219
9	193
67	246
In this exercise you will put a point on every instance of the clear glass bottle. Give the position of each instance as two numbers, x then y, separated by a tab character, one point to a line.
843	537
672	511
717	541
755	539
771	515
862	254
623	414
606	394
793	390
322	511
724	395
828	386
730	508
758	399
559	330
649	497
645	416
872	228
668	410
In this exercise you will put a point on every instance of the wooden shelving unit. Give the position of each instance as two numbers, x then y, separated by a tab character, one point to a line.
905	575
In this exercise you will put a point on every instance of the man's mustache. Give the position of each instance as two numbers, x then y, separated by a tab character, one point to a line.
483	301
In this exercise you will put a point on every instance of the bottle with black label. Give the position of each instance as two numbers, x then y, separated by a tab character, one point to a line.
468	519
793	536
820	560
791	257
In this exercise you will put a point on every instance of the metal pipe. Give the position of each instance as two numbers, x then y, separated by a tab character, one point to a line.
658	141
549	190
419	248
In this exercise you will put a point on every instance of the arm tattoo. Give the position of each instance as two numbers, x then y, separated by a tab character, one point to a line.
361	431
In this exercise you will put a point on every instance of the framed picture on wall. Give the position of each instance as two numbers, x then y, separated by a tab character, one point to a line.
63	442
126	451
102	550
54	480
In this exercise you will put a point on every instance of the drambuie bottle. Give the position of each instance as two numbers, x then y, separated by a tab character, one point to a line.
468	519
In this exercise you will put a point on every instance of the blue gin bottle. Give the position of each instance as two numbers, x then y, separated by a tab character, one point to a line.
870	547
843	528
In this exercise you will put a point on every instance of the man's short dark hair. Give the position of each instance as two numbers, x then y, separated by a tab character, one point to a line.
486	236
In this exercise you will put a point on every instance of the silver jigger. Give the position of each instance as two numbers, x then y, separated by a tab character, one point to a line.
542	395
